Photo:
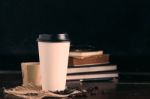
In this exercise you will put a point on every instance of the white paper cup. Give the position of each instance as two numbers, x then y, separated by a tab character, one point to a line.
53	54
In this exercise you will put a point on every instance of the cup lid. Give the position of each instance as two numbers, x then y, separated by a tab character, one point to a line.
61	37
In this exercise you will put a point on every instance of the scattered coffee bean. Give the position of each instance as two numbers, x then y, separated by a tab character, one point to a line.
96	87
81	95
66	91
92	93
90	89
79	88
85	95
103	92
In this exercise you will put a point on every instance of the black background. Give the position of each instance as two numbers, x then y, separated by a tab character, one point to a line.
119	27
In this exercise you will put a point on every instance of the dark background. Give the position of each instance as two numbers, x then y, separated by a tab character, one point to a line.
119	27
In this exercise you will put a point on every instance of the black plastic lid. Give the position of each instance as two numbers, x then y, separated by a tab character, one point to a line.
53	37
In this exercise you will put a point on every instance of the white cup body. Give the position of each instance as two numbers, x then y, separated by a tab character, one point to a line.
53	64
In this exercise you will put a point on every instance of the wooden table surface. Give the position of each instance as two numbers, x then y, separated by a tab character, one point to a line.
105	89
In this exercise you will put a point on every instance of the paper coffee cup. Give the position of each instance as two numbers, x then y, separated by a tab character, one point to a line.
53	55
31	73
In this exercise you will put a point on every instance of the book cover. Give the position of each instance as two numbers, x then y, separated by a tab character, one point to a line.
98	75
90	68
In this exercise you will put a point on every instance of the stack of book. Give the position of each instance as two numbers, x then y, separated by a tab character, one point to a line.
90	65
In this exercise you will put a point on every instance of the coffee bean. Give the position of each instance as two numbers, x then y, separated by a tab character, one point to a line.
90	89
103	92
85	95
96	87
92	93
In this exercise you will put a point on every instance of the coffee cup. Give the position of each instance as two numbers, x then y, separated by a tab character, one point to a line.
53	55
31	73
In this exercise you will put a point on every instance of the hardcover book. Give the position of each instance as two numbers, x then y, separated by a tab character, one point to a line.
93	68
90	76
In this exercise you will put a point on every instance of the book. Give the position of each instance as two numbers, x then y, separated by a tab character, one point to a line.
91	60
93	68
83	54
90	76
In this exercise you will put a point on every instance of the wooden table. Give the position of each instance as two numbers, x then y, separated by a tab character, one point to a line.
104	89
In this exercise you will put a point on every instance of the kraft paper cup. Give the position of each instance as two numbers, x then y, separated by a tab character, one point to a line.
31	73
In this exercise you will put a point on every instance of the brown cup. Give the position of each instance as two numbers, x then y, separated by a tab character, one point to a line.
31	73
